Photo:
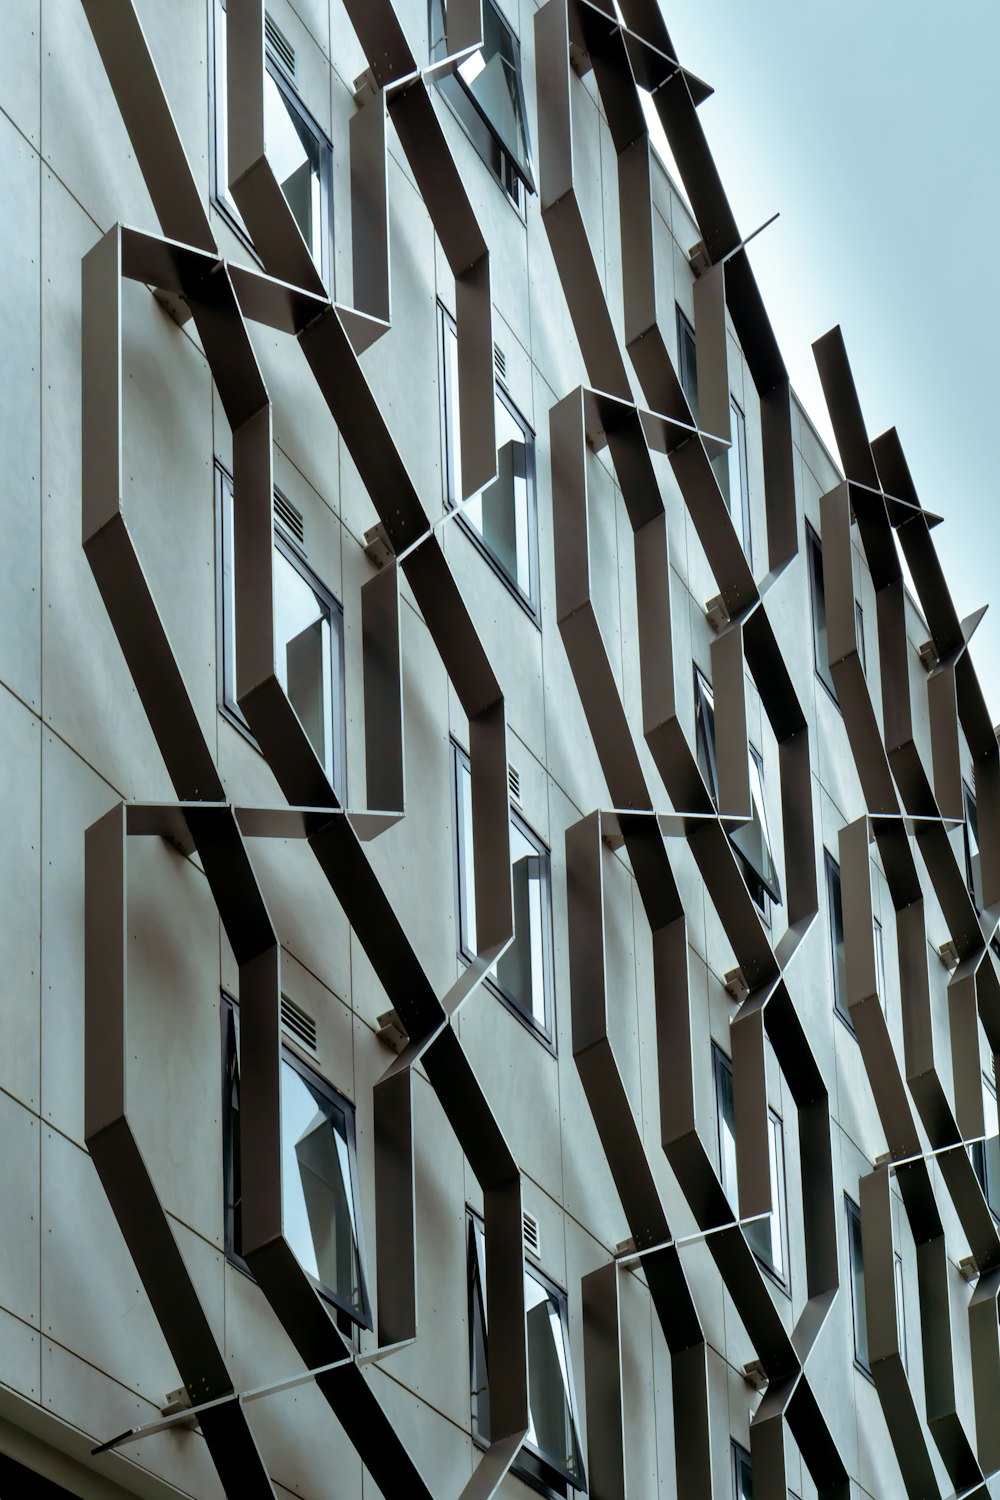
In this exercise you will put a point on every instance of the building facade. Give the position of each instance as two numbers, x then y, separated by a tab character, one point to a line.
503	830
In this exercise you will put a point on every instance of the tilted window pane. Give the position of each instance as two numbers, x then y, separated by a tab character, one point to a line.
821	649
522	971
319	1213
900	1308
304	654
727	1128
491	77
503	514
753	840
738	477
704	714
985	1154
857	1265
742	1474
317	1196
552	1427
880	962
973	872
296	158
687	365
767	1236
835	909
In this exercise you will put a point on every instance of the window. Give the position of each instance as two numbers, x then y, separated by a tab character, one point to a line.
742	1475
319	1192
734	477
687	363
550	1457
880	963
859	626
857	1268
900	1307
973	873
502	518
835	910
752	842
821	650
522	977
766	1237
309	642
986	1154
487	95
300	155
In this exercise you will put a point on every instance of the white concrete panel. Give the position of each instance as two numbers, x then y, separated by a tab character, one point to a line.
20	1286
20	914
20	392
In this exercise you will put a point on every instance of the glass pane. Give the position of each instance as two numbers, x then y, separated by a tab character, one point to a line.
317	1196
900	1309
880	963
738	477
821	650
687	362
973	873
727	1129
502	513
857	1284
836	909
492	78
744	1477
704	702
551	1428
520	971
753	840
480	1376
296	156
859	627
304	655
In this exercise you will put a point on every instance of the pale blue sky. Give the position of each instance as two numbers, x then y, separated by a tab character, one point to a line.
873	127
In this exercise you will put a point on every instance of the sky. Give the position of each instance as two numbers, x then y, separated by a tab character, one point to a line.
873	127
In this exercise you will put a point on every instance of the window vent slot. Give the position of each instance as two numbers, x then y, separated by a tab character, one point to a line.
298	1025
500	360
279	47
289	519
514	782
532	1234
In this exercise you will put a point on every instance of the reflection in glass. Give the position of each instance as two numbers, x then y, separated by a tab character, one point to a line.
766	1237
503	513
857	1264
521	970
319	1216
821	648
552	1433
687	363
491	80
985	1154
835	907
973	870
299	157
742	1473
900	1308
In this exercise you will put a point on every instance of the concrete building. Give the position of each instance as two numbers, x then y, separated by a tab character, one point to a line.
665	895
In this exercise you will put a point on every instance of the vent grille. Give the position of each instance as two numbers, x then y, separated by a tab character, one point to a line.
514	782
279	47
500	360
298	1025
532	1234
290	519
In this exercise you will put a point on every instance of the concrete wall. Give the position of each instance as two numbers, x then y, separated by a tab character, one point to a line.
81	1356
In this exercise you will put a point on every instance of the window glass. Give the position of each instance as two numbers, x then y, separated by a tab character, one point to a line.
821	650
503	514
299	154
985	1154
318	1176
857	1266
859	626
835	908
687	363
737	476
752	841
973	874
766	1237
522	972
551	1451
308	639
880	963
742	1475
490	80
900	1308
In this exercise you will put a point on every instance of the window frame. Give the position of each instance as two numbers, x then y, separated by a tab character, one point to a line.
761	893
219	189
530	602
840	1007
548	1479
971	811
861	1362
505	171
226	647
740	439
722	1064
459	761
742	1466
900	1290
686	335
880	972
979	1155
361	1317
817	596
859	630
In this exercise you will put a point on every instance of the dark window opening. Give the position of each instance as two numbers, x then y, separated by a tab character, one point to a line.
835	911
857	1268
767	1238
821	649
